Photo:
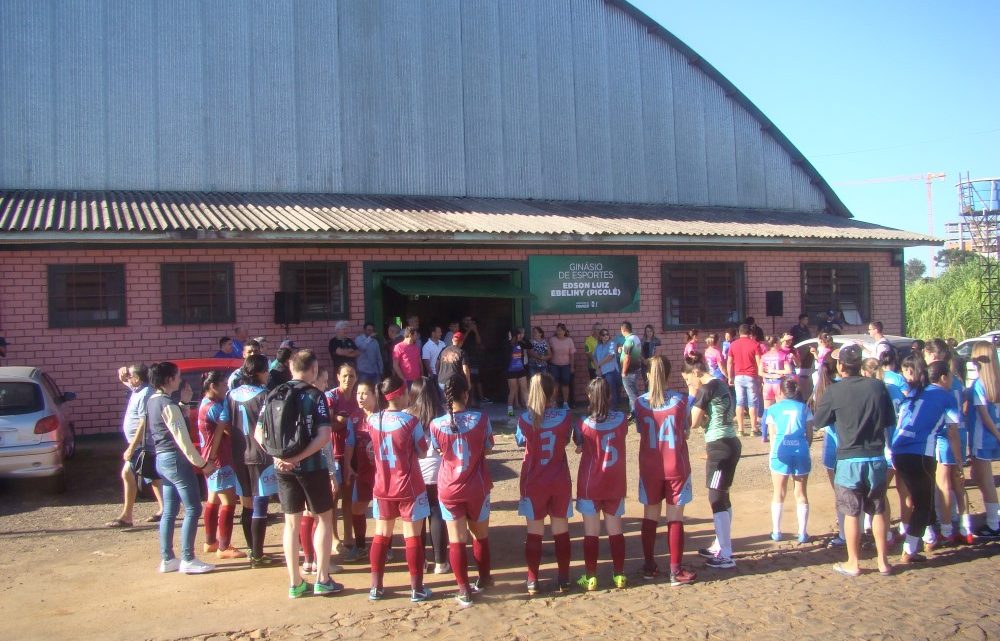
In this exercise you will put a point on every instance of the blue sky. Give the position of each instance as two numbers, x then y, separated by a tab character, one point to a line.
865	90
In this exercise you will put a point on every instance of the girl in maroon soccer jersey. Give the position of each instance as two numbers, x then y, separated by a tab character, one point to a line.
463	437
399	492
343	406
600	482
426	406
215	446
360	443
546	487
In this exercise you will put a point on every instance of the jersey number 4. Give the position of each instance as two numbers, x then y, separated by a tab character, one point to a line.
662	434
386	453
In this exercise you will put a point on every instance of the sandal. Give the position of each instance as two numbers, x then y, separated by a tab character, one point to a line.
118	523
154	519
840	569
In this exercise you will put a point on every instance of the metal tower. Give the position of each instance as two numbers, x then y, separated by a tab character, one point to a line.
979	202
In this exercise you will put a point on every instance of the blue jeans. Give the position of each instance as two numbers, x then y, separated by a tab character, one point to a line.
614	381
631	384
179	485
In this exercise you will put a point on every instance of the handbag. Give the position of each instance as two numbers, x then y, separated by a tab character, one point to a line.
143	464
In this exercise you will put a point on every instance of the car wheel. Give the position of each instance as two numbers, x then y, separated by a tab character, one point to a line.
69	443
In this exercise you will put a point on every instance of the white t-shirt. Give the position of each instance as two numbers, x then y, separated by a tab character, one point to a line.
429	466
431	351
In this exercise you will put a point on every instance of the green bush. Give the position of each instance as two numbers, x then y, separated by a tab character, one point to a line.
946	306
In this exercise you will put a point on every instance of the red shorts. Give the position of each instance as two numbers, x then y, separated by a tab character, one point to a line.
410	510
556	503
474	509
673	491
771	390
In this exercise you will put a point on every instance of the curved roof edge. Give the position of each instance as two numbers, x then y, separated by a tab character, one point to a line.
836	206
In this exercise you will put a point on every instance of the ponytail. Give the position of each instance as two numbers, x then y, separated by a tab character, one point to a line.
542	387
659	372
456	388
599	395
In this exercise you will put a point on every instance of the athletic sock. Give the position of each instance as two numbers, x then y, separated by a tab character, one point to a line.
723	528
930	536
562	555
211	515
911	544
360	525
415	561
802	512
591	546
259	525
617	544
306	538
776	517
376	556
246	518
868	522
675	541
902	528
947	530
965	525
648	540
992	516
840	526
533	555
459	565
226	513
481	553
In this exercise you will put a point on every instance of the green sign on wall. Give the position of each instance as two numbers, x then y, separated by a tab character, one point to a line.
584	284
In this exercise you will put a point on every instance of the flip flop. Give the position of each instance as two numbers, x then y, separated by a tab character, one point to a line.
887	571
154	519
840	569
118	523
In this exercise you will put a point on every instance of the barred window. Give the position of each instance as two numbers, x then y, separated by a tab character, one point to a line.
197	293
705	295
322	289
842	287
86	296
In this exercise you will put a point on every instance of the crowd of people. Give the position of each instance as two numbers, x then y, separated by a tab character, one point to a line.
398	432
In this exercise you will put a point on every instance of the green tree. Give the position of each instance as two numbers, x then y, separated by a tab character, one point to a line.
952	257
915	269
946	306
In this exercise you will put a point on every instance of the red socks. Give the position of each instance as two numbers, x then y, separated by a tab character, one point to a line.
415	562
460	564
306	528
648	540
360	526
481	553
562	555
376	556
226	514
211	515
590	551
617	544
533	555
675	537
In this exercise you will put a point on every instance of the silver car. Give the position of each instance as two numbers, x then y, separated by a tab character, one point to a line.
36	435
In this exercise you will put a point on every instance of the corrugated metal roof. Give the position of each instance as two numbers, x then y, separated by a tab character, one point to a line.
117	213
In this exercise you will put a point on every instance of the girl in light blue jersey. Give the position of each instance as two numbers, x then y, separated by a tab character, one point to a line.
985	435
789	425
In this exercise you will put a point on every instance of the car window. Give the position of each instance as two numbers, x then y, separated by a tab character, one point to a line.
20	398
52	388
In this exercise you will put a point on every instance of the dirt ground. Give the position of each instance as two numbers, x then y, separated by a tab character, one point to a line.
64	576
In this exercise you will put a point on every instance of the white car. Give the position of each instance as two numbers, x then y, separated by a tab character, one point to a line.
900	343
964	350
36	435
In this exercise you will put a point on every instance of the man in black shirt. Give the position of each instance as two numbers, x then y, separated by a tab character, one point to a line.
800	331
861	410
452	362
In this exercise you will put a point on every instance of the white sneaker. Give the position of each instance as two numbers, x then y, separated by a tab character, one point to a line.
170	566
194	566
442	568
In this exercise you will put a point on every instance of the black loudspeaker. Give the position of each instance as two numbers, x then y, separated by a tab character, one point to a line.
775	303
287	308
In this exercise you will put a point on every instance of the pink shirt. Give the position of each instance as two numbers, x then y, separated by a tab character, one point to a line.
562	350
408	357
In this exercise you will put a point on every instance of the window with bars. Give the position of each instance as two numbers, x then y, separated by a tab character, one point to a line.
86	296
703	295
197	293
321	287
842	287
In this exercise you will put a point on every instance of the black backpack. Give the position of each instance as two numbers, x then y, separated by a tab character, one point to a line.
286	431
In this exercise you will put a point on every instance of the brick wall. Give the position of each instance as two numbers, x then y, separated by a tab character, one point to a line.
85	360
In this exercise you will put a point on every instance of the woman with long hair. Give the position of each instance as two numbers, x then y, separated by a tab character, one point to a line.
517	371
425	404
824	376
691	342
661	418
600	482
538	354
606	363
714	359
399	491
790	426
359	442
463	437
546	488
343	407
176	460
713	407
986	433
774	366
220	505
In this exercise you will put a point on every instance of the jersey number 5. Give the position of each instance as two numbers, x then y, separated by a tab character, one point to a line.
610	451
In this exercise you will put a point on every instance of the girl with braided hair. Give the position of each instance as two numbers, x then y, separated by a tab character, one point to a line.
463	436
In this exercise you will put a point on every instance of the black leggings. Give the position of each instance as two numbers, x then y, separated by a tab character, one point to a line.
439	534
917	473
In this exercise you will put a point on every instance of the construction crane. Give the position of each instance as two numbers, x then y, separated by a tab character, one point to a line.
928	179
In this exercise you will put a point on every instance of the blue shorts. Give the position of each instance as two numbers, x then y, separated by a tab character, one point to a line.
588	507
987	454
561	373
222	479
829	451
860	485
792	465
942	449
746	391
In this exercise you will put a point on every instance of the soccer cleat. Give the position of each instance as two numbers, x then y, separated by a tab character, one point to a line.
620	581
481	584
464	599
210	547
442	568
775	536
417	596
986	532
376	594
588	583
324	588
298	591
836	542
355	554
170	566
682	577
194	566
262	561
708	553
565	585
720	563
532	587
230	553
968	538
803	538
650	573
